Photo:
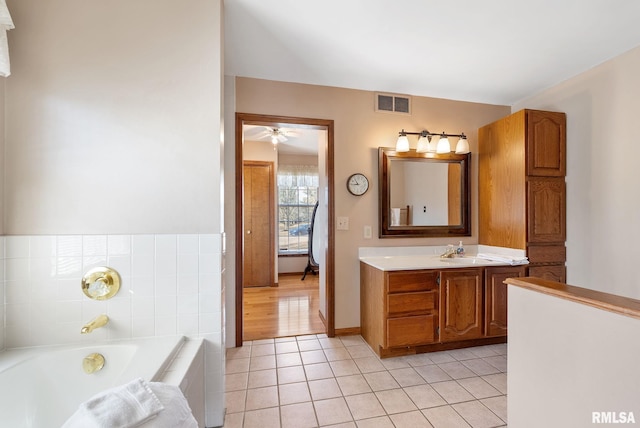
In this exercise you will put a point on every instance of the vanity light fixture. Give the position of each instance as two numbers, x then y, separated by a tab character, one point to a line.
426	142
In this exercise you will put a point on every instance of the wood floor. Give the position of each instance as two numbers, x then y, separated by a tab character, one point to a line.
287	310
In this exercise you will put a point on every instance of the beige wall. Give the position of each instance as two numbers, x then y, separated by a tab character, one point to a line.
603	230
113	117
359	131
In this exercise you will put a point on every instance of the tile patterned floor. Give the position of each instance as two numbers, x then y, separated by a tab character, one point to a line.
316	381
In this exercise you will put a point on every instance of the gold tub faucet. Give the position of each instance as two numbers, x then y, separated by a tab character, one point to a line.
97	322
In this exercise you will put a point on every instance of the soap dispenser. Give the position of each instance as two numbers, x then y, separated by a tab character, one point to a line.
460	250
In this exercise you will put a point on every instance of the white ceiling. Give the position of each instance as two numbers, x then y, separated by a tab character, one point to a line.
494	51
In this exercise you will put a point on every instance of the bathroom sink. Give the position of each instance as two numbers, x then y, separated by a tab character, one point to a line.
465	260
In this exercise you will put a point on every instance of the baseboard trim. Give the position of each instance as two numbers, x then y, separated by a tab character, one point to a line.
324	321
347	331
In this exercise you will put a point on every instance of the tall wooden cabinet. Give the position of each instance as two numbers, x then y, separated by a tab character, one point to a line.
521	188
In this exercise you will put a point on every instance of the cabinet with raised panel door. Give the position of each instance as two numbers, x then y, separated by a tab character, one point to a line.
521	188
411	311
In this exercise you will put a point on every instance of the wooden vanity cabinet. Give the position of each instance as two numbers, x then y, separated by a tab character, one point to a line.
410	311
495	298
521	188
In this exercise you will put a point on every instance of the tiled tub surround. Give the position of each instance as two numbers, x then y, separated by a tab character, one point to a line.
171	284
315	381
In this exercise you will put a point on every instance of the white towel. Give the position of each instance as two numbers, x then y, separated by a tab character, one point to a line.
6	23
124	406
503	258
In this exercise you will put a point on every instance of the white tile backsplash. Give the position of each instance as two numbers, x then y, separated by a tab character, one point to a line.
171	284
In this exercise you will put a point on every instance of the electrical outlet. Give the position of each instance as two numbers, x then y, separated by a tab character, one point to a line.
367	232
343	223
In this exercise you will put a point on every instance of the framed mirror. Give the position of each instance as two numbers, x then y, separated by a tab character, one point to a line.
424	194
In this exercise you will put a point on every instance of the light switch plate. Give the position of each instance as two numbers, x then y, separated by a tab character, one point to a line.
367	232
343	223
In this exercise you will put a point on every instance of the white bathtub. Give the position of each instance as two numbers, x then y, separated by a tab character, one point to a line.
43	386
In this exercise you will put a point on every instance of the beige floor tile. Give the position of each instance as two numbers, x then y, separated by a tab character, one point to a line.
235	381
497	405
237	365
498	381
286	347
308	337
432	373
332	411
343	425
318	371
369	364
263	341
379	381
331	342
364	406
395	401
344	368
334	354
407	376
322	389
291	393
480	367
260	350
456	370
484	351
413	419
239	352
360	351
419	360
424	396
235	401
263	363
477	415
354	384
300	415
309	345
478	387
462	354
441	357
395	363
313	357
284	339
262	378
261	398
288	360
452	392
379	422
291	374
444	417
352	340
263	418
499	362
233	420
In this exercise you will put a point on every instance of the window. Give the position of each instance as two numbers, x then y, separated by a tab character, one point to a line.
297	195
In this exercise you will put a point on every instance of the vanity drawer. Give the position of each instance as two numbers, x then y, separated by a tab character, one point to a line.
410	331
411	303
412	280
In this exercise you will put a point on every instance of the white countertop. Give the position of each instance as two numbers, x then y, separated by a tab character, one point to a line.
410	258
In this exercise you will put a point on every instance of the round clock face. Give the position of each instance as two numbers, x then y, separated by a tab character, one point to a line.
357	184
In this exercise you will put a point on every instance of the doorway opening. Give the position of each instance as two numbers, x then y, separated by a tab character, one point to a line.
275	305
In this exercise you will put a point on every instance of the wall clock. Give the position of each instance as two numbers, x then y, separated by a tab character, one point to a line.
357	184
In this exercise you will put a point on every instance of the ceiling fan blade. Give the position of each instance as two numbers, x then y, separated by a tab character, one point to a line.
282	138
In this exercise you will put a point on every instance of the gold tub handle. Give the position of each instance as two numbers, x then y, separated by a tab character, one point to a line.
93	363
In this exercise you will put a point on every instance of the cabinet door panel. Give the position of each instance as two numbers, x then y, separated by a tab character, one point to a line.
460	304
495	307
401	281
546	143
411	303
546	208
556	273
411	331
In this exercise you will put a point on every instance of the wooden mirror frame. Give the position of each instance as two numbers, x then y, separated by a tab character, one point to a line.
385	155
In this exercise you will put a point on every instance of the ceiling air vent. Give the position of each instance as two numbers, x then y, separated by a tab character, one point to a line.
393	103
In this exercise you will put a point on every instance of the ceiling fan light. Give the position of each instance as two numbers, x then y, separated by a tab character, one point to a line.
274	139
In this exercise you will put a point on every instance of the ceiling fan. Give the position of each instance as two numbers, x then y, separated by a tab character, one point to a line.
275	135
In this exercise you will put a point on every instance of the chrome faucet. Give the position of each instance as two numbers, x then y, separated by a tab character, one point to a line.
97	322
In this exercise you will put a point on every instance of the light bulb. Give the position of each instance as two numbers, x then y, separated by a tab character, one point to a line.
443	145
423	144
402	145
463	146
274	140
